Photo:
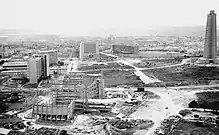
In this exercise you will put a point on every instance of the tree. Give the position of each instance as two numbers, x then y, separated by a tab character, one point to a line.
2	62
217	120
203	104
193	104
214	105
184	112
3	107
61	63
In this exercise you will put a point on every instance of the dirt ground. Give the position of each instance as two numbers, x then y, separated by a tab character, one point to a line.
191	128
112	65
184	75
115	78
157	63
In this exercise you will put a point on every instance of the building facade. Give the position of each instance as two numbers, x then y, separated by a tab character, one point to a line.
45	65
88	50
34	69
210	46
53	55
15	65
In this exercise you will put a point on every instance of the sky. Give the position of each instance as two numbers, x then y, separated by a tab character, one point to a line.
74	17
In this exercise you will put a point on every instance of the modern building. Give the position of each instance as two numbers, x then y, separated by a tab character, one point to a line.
125	49
210	46
89	50
5	50
16	74
111	40
15	65
45	65
68	100
34	69
53	55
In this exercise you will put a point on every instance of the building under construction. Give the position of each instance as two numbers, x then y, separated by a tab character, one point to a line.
74	97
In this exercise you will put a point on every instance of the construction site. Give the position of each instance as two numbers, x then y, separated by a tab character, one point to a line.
152	92
77	89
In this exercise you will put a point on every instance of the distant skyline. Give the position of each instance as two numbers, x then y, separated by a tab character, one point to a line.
84	17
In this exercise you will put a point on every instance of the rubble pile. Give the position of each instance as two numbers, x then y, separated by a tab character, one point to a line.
168	124
16	133
110	130
46	131
84	131
123	124
12	125
148	95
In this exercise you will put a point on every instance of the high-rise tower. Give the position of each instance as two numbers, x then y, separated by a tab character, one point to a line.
210	46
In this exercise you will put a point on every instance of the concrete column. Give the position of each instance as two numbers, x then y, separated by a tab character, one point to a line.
47	108
42	110
52	112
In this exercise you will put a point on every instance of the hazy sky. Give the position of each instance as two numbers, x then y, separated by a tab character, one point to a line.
80	16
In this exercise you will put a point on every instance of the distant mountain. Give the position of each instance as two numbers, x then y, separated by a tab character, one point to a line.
27	34
182	31
6	32
162	31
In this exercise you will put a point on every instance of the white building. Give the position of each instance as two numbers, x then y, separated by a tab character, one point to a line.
53	55
88	50
34	69
20	65
210	46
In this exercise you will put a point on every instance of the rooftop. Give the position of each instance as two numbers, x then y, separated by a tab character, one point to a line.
88	42
124	45
14	63
47	51
14	71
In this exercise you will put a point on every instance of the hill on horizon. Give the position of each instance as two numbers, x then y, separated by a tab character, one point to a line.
161	31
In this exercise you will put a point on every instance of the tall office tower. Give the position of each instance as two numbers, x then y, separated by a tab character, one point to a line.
34	69
111	40
45	65
210	48
88	50
53	55
1	51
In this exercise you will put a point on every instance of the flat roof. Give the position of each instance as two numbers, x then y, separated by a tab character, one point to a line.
14	71
124	45
34	58
47	51
14	63
206	65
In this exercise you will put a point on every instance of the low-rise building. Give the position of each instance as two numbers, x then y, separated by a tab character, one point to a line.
15	65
